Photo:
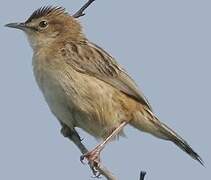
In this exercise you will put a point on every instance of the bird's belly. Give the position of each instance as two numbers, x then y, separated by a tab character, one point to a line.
94	107
59	107
82	101
55	98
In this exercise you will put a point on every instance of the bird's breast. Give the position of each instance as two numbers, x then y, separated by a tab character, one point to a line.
47	78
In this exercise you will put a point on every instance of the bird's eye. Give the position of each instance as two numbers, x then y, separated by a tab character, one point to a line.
43	24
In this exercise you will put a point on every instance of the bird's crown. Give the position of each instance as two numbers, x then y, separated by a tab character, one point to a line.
47	11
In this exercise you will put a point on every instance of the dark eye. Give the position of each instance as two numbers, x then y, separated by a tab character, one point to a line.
43	24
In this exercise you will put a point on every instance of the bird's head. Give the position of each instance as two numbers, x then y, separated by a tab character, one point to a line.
49	24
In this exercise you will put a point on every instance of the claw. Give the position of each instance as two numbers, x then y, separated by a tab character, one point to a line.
95	172
82	157
98	175
93	165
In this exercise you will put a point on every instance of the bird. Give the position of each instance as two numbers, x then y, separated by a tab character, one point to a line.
84	86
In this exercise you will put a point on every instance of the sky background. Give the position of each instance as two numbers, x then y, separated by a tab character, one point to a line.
164	45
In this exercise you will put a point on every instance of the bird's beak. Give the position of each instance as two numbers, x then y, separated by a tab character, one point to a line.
21	26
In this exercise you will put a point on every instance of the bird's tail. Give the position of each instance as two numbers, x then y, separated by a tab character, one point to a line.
149	123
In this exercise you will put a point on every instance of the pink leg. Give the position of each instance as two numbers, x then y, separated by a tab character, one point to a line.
93	156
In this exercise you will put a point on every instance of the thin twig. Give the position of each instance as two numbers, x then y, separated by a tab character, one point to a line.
142	175
80	12
102	170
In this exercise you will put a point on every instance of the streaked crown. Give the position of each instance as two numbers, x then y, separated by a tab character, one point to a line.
46	11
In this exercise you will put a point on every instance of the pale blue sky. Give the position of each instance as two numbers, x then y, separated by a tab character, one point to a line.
165	46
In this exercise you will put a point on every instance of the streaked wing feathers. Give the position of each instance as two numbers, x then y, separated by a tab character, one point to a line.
90	59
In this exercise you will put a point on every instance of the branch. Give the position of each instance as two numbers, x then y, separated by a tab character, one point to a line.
75	138
142	175
80	12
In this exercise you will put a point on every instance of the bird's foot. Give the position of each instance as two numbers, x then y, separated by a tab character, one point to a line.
93	157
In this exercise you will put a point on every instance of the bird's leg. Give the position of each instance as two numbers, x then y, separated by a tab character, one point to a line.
93	156
76	139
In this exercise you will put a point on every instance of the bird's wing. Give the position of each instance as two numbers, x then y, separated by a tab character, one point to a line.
90	59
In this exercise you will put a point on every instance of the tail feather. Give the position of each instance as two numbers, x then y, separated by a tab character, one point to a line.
146	121
180	142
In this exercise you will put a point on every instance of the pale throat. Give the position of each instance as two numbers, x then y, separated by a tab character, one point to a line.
36	42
